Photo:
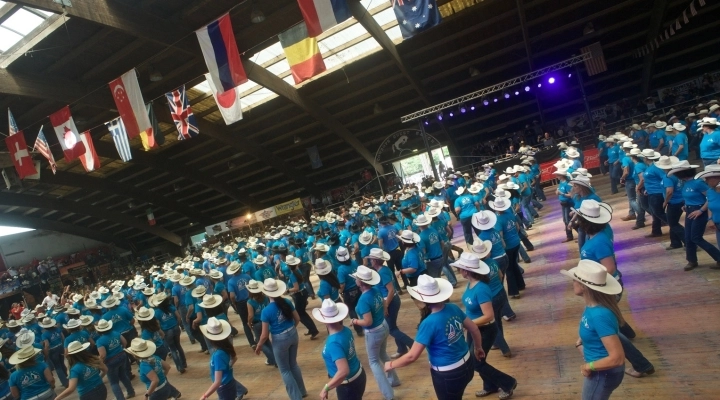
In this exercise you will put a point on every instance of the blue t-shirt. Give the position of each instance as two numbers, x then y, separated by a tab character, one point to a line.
257	308
326	289
120	317
597	247
218	288
88	378
386	276
338	346
506	223
344	274
614	154
714	204
430	241
494	237
673	182
263	273
388	234
152	363
413	259
275	318
693	192
371	302
638	170
156	336
654	179
79	336
442	333
710	145
564	188
680	139
596	323
221	361
30	381
474	296
53	336
655	138
167	320
496	285
111	342
179	291
626	162
236	285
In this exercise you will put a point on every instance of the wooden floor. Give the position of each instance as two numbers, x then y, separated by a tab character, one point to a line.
674	313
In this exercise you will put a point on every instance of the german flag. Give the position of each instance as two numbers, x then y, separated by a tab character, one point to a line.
302	52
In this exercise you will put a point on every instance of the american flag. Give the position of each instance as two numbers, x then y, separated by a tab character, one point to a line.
596	64
120	137
12	128
182	114
42	147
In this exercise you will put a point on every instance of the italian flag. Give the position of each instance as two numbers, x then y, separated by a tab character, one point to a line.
151	216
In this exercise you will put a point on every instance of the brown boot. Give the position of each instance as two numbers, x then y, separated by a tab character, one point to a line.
628	218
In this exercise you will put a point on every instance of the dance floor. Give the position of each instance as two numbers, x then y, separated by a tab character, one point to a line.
674	313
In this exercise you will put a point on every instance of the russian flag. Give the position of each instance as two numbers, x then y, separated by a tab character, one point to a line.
220	51
321	15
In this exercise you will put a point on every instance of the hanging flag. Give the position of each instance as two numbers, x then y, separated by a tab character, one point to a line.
217	42
120	138
672	31
67	134
157	132
12	128
130	104
693	11
150	216
595	64
20	155
677	24
228	102
90	159
182	114
302	53
42	147
314	155
321	15
415	16
686	20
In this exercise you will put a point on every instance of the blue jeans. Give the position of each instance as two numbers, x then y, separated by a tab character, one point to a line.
285	348
709	161
188	329
528	211
694	230
467	229
99	392
566	218
644	207
376	347
632	354
615	174
499	302
172	340
632	197
353	390
603	168
267	346
242	310
493	379
450	385
57	358
165	392
227	391
350	298
600	385
539	193
117	372
403	341
677	231
515	281
655	201
434	267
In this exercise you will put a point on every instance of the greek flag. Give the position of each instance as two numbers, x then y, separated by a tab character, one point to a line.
120	137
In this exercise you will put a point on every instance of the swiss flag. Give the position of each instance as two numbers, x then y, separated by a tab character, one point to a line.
67	135
20	155
90	159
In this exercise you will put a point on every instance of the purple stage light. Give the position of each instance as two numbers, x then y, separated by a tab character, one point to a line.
517	93
551	80
495	100
485	102
570	75
527	88
539	84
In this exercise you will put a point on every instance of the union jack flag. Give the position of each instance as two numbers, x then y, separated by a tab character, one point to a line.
182	114
42	147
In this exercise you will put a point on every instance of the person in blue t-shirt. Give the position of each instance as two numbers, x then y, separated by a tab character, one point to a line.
680	147
169	319
86	373
478	302
412	262
613	162
217	333
710	143
441	333
430	246
53	341
465	207
599	341
341	361
673	204
32	379
152	370
652	184
388	242
507	227
150	330
110	346
602	154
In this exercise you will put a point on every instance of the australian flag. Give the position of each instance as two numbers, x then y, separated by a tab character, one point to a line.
182	114
416	16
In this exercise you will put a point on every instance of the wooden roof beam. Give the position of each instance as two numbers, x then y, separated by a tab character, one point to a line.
57	226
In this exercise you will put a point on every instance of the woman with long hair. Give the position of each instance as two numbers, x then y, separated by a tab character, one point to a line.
256	304
299	294
348	288
478	302
599	341
329	287
32	379
279	322
152	370
150	330
52	339
412	262
110	348
441	333
371	311
341	361
86	373
217	332
169	319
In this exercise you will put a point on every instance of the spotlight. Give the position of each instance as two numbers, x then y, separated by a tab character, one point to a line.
506	94
517	93
527	88
426	122
570	75
485	100
551	80
472	107
452	114
463	109
440	116
539	84
495	100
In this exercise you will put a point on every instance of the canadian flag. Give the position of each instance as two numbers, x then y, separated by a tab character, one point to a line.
90	159
67	135
130	104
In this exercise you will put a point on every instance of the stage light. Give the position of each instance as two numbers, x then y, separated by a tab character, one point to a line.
506	94
485	101
539	84
551	80
426	121
495	100
570	75
472	107
517	93
527	88
440	116
463	109
452	114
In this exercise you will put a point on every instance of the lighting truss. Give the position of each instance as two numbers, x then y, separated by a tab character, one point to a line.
496	88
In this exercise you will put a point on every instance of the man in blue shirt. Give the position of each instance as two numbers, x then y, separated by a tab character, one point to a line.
639	136
430	246
656	135
388	241
680	144
178	294
613	162
239	296
628	167
652	184
710	144
602	153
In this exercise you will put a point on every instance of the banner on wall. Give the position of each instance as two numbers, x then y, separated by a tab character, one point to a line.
225	226
591	160
267	213
288	206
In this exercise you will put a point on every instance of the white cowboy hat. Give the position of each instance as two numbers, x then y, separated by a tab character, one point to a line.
322	266
378	254
572	153
595	276
233	268
438	185
710	171
342	254
408	236
330	312
471	262
86	320
216	329
432	212
76	347
321	247
157	299
24	338
422	220
210	301
148	291
581	180
259	260
484	220
650	154
511	186
23	355
561	171
104	290
499	204
431	290
72	324
47	323
708	121
187	281
475	189
365	238
665	162
198	292
681	166
144	314
595	211
141	348
273	288
215	274
103	325
500	192
481	248
460	190
367	275
254	286
679	127
660	124
77	297
292	260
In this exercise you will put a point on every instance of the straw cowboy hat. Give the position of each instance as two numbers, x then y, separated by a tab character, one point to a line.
157	299
499	204
273	288
475	189
322	266
141	348
330	312
422	220
103	325
342	254
581	180
366	275
148	292
484	220
292	260
378	254
595	211
215	274
144	314
321	247
594	276
47	323
259	260
650	154
76	347
660	124
187	281
254	286
198	292
460	190
365	238
470	262
216	329
233	268
86	320
77	297
432	212
431	290
683	165
110	302
24	338
23	355
481	248
561	172
665	162
710	171
408	236
572	153
210	301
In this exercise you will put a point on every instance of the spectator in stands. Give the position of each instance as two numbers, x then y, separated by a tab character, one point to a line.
50	300
548	141
17	310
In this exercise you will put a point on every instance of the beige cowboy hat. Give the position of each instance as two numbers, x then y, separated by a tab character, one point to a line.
216	329
259	260
595	276
144	314
431	290
187	280
273	288
198	292
378	254
367	275
47	323
23	355
141	348
211	301
408	236
215	274
86	320
595	211
103	325
484	220
254	286
471	262
157	299
76	347
330	312
581	180
72	324
665	162
322	266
